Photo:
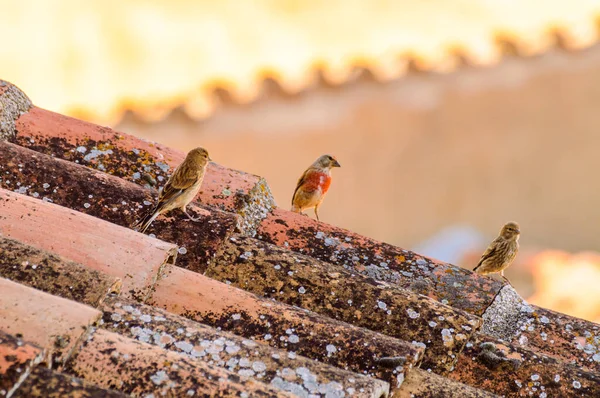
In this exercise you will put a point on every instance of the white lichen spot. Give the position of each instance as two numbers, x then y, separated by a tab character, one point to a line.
259	366
544	319
381	305
412	313
576	384
246	255
330	242
145	318
232	349
535	377
136	175
447	336
319	235
81	149
190	393
45	185
268	336
246	372
116	317
86	205
419	344
301	290
182	250
294	339
596	357
556	378
331	349
236	317
277	266
543	395
518	383
292	355
159	377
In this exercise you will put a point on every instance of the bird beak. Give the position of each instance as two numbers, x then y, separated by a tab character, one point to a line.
335	163
209	159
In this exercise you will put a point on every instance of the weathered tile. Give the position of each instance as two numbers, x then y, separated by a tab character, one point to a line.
134	258
13	103
557	335
112	361
267	270
506	369
239	355
422	384
17	358
112	199
217	304
131	158
443	282
45	383
52	274
48	321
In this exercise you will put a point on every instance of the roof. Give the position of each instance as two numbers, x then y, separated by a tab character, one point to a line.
251	301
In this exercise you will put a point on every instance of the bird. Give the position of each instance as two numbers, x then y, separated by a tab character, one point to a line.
313	185
181	188
501	252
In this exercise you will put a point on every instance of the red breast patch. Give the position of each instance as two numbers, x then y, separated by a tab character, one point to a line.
316	180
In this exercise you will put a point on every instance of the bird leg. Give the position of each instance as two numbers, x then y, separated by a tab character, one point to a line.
317	212
505	278
189	216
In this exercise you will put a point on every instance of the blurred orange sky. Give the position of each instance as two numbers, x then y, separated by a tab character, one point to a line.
98	56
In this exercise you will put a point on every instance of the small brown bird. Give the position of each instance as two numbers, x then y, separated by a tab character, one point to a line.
501	252
181	188
313	185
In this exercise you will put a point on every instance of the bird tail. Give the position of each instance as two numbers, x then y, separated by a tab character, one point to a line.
143	224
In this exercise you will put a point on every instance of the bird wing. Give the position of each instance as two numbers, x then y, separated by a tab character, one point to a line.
182	179
301	181
489	252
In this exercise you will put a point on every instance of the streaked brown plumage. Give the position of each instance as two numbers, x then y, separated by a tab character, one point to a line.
180	189
501	252
313	185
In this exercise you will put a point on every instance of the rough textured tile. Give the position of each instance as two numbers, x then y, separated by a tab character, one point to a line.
331	290
52	274
205	300
571	339
45	383
443	282
422	384
239	355
130	157
133	367
48	321
134	258
509	370
13	103
112	199
503	317
17	358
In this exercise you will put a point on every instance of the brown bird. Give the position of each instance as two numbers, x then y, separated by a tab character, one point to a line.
181	188
501	252
313	185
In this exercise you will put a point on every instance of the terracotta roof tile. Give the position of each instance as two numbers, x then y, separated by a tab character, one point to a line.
48	321
423	384
113	199
506	369
557	335
130	157
52	274
446	283
17	358
226	350
45	383
301	264
331	290
135	258
205	300
110	360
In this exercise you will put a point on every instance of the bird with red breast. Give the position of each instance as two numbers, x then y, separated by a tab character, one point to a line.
313	185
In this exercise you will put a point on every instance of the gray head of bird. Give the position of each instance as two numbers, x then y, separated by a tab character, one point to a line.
326	162
510	230
199	156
